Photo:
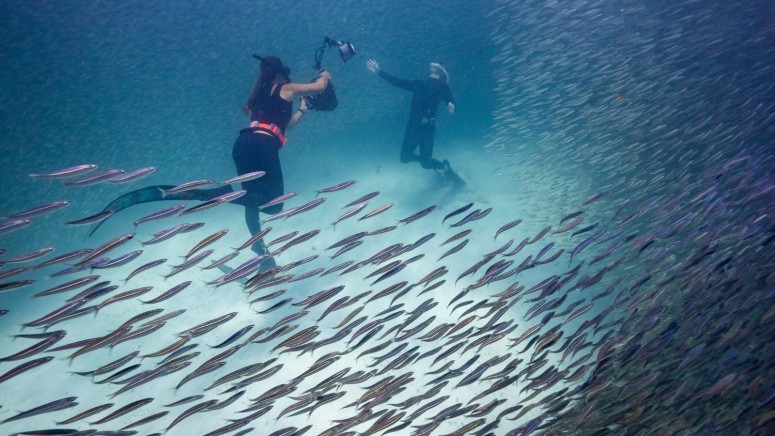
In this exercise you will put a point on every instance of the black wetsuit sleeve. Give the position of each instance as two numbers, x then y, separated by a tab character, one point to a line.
449	98
409	85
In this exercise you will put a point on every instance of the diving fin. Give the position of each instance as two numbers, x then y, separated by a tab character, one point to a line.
451	175
143	195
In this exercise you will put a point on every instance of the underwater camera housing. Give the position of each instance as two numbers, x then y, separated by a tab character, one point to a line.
346	49
326	100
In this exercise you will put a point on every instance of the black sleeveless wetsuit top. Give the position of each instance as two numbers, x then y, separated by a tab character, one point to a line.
270	108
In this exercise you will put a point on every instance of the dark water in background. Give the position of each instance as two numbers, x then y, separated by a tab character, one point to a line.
557	101
182	68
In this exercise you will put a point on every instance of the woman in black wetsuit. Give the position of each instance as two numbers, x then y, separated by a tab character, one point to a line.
421	126
256	149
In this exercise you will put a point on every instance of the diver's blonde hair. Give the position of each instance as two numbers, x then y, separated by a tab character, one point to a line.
442	70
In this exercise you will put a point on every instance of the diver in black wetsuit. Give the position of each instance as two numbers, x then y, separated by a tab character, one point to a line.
421	126
256	149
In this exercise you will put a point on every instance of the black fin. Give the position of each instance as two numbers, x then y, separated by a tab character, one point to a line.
453	177
143	195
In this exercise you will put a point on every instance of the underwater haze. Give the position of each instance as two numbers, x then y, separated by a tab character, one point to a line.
607	267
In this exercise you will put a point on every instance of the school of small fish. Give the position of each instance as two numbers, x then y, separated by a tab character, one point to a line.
577	347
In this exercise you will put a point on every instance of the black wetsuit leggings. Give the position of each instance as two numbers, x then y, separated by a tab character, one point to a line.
420	135
251	152
259	152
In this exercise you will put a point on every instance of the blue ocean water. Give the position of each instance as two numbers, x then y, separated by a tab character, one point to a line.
654	119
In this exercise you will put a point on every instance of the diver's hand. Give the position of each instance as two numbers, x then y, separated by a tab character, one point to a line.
324	73
373	66
451	107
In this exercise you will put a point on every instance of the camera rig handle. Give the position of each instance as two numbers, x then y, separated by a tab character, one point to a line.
346	50
327	42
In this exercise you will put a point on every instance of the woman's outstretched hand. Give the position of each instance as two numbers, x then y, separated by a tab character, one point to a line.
373	66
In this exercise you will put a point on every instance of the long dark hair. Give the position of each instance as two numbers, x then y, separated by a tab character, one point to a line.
272	71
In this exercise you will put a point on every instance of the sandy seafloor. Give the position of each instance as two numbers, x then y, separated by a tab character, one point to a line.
408	187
